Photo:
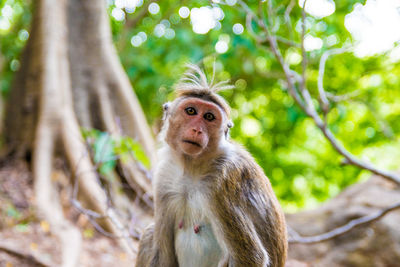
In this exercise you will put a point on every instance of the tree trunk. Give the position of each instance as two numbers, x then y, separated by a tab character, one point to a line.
71	78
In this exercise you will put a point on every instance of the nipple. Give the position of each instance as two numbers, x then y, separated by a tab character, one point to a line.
196	228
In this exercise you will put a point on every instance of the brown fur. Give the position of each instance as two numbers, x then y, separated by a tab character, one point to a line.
216	183
248	209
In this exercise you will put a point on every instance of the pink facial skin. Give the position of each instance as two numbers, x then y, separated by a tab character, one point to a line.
200	121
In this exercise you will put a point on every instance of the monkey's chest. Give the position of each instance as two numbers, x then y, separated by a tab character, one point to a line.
195	242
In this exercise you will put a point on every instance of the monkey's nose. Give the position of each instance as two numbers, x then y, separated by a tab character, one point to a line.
197	131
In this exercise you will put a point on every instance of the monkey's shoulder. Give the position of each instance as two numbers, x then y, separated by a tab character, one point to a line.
237	165
241	181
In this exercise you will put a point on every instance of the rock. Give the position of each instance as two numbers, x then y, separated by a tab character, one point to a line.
376	244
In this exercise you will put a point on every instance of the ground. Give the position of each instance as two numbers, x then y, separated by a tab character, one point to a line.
23	235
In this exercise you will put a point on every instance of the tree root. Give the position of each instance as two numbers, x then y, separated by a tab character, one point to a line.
48	202
87	180
27	256
103	94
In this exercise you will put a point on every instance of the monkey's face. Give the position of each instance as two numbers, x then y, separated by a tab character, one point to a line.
195	126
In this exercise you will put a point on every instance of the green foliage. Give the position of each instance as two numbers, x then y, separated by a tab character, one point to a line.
108	148
22	227
14	26
302	166
11	211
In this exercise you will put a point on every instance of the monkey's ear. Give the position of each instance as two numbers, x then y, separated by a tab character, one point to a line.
166	106
165	109
229	125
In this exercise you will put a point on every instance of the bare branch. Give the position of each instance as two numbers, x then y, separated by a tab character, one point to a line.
108	212
132	23
303	50
263	39
27	256
307	105
287	41
270	13
111	215
350	158
296	238
383	124
344	97
287	17
321	72
275	49
93	216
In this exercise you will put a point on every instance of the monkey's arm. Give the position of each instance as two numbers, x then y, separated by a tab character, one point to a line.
249	219
238	233
163	252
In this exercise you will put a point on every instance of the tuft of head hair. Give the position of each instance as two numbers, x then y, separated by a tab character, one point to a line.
194	83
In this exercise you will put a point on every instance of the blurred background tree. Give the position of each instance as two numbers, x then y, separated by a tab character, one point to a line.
155	39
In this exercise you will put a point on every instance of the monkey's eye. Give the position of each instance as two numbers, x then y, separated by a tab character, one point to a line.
209	116
190	111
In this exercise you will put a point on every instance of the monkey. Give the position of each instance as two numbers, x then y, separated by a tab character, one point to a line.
214	206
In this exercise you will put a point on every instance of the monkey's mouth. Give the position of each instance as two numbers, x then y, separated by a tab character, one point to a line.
192	143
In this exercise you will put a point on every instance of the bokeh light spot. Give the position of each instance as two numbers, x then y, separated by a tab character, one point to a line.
250	127
118	14
230	2
159	30
7	11
238	28
15	65
184	12
136	41
241	84
154	8
169	34
370	132
312	43
23	35
293	57
221	46
319	8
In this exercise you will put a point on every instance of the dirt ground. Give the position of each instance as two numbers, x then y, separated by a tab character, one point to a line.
27	241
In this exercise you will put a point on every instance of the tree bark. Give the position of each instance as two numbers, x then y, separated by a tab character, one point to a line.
71	78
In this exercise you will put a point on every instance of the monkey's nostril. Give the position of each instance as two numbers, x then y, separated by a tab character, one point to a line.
197	131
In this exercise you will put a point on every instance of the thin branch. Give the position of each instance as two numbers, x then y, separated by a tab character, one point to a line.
263	39
275	49
132	23
92	217
110	213
287	17
303	50
321	72
350	158
339	98
296	238
383	124
287	41
27	256
307	105
270	12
